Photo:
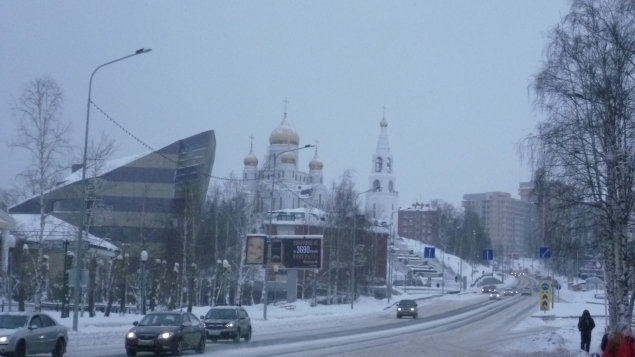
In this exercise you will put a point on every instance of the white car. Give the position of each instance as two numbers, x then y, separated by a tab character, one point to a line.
494	295
33	332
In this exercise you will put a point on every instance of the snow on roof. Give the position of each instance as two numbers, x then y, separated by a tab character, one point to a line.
27	226
77	175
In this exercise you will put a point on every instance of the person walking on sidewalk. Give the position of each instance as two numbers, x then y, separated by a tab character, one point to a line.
585	326
620	343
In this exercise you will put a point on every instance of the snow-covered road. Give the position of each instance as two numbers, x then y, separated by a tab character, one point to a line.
445	328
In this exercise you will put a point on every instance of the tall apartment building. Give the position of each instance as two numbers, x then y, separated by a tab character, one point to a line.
507	220
419	222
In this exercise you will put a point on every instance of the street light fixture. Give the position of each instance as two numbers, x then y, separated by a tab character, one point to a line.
82	217
144	259
352	282
10	246
273	175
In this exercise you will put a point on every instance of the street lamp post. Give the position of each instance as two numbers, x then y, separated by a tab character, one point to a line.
144	259
226	267
10	246
391	247
275	289
352	282
270	229
78	251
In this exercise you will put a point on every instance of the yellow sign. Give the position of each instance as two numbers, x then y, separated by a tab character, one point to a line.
545	296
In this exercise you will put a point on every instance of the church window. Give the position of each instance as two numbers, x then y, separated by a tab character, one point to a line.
389	164
374	209
280	205
390	187
245	175
376	186
378	164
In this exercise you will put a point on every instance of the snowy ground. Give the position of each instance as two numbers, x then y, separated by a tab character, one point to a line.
543	334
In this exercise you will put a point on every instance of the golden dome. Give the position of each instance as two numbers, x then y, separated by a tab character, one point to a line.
316	163
284	134
288	158
251	159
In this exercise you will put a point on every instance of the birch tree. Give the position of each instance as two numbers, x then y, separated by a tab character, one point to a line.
45	136
586	89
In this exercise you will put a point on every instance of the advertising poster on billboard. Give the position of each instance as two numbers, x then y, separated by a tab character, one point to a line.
256	249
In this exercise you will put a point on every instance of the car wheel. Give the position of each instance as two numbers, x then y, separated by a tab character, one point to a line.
130	352
20	349
201	346
237	337
178	348
58	351
248	336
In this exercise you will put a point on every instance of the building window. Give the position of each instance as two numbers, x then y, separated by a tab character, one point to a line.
374	209
389	164
376	186
390	187
378	164
280	205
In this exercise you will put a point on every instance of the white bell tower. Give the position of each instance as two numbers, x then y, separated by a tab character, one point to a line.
384	198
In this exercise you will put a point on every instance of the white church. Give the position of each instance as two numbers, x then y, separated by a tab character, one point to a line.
298	189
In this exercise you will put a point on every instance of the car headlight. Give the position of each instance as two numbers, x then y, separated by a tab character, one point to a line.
398	309
129	335
166	335
229	325
412	309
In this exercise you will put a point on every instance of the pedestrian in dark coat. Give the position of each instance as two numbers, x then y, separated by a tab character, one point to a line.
585	326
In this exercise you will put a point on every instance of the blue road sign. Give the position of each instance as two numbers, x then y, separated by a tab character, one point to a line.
488	254
558	286
545	286
545	253
428	252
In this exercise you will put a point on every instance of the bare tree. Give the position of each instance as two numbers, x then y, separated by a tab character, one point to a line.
45	136
586	88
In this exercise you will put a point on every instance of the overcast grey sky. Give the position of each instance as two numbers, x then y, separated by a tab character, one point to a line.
453	75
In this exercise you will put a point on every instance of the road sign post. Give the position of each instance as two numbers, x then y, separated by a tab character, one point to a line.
545	253
428	252
545	296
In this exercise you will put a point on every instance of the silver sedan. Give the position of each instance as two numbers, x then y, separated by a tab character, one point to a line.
23	333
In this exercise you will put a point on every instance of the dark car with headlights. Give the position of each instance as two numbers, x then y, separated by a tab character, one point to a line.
494	295
169	331
488	288
23	332
407	308
227	323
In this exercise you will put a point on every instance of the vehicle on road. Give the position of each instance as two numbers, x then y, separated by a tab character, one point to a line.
525	291
22	333
407	308
166	331
227	323
509	292
488	288
494	295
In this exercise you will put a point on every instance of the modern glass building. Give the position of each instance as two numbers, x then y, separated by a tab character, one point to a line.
134	198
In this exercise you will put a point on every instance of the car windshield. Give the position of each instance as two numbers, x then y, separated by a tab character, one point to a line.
161	320
407	303
221	314
12	321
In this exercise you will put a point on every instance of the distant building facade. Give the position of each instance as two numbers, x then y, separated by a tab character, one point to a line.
419	222
507	220
136	197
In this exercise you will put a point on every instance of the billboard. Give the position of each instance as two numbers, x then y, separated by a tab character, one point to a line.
297	251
